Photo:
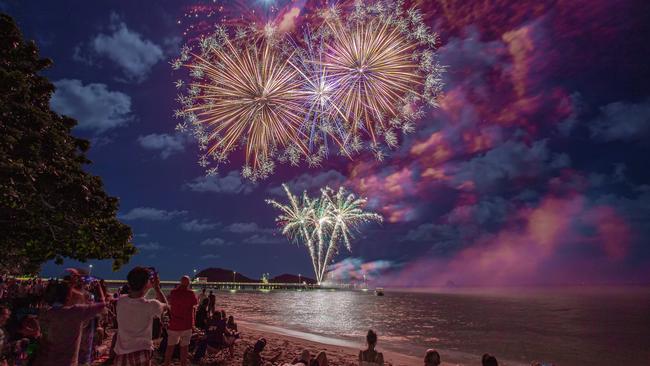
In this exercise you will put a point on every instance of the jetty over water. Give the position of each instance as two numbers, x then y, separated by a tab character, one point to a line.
248	285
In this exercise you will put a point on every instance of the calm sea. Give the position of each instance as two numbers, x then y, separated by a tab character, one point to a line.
566	326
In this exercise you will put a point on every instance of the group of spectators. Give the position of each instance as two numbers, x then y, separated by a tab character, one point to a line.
64	323
56	322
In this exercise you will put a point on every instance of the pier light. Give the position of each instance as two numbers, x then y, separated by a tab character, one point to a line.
90	269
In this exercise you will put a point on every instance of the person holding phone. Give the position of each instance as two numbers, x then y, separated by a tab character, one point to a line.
61	324
135	315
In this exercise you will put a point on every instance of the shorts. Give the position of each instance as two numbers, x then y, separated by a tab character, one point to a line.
176	336
138	358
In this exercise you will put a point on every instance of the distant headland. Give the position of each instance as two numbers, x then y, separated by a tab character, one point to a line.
227	275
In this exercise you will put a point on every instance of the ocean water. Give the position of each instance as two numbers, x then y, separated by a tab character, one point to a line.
564	326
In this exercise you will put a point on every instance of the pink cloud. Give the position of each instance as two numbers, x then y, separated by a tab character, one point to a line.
288	21
533	241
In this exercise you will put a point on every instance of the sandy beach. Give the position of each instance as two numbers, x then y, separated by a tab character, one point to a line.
339	353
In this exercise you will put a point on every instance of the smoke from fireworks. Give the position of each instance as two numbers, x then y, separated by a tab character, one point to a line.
322	223
352	80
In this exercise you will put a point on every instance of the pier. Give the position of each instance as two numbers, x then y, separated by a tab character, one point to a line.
250	286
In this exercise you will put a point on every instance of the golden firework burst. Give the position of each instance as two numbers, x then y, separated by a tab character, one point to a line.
351	83
250	94
372	70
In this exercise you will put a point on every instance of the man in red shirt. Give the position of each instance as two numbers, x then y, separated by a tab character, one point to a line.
182	302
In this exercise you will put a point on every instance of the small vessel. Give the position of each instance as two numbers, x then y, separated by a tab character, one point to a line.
379	291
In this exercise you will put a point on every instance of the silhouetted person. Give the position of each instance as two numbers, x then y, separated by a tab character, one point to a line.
253	355
489	360
202	314
213	301
202	295
431	358
231	325
370	357
306	360
217	336
5	314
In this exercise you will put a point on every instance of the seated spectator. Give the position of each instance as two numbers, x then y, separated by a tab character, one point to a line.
202	313
5	314
61	324
370	357
28	333
306	360
212	298
216	336
320	360
28	327
431	358
231	326
253	355
135	315
489	360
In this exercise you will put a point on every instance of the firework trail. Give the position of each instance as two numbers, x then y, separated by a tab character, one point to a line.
353	79
323	223
297	221
345	214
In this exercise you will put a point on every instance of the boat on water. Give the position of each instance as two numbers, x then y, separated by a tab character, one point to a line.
379	291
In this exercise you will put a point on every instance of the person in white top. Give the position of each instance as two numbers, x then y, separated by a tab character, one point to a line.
135	315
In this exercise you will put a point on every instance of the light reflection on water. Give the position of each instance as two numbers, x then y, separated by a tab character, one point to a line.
565	326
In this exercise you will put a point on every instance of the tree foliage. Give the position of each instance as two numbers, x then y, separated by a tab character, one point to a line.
50	208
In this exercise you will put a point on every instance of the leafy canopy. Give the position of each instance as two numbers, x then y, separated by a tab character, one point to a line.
50	208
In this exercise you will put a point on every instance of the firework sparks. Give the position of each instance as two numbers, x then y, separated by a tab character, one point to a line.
353	82
323	223
374	72
247	95
297	221
323	118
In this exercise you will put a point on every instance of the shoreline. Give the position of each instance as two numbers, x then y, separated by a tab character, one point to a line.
346	351
339	352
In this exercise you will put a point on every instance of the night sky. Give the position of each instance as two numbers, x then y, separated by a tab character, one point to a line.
534	170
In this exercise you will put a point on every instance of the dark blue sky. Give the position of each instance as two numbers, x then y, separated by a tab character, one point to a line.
538	150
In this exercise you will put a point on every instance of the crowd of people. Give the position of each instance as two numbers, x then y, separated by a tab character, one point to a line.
56	322
76	321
